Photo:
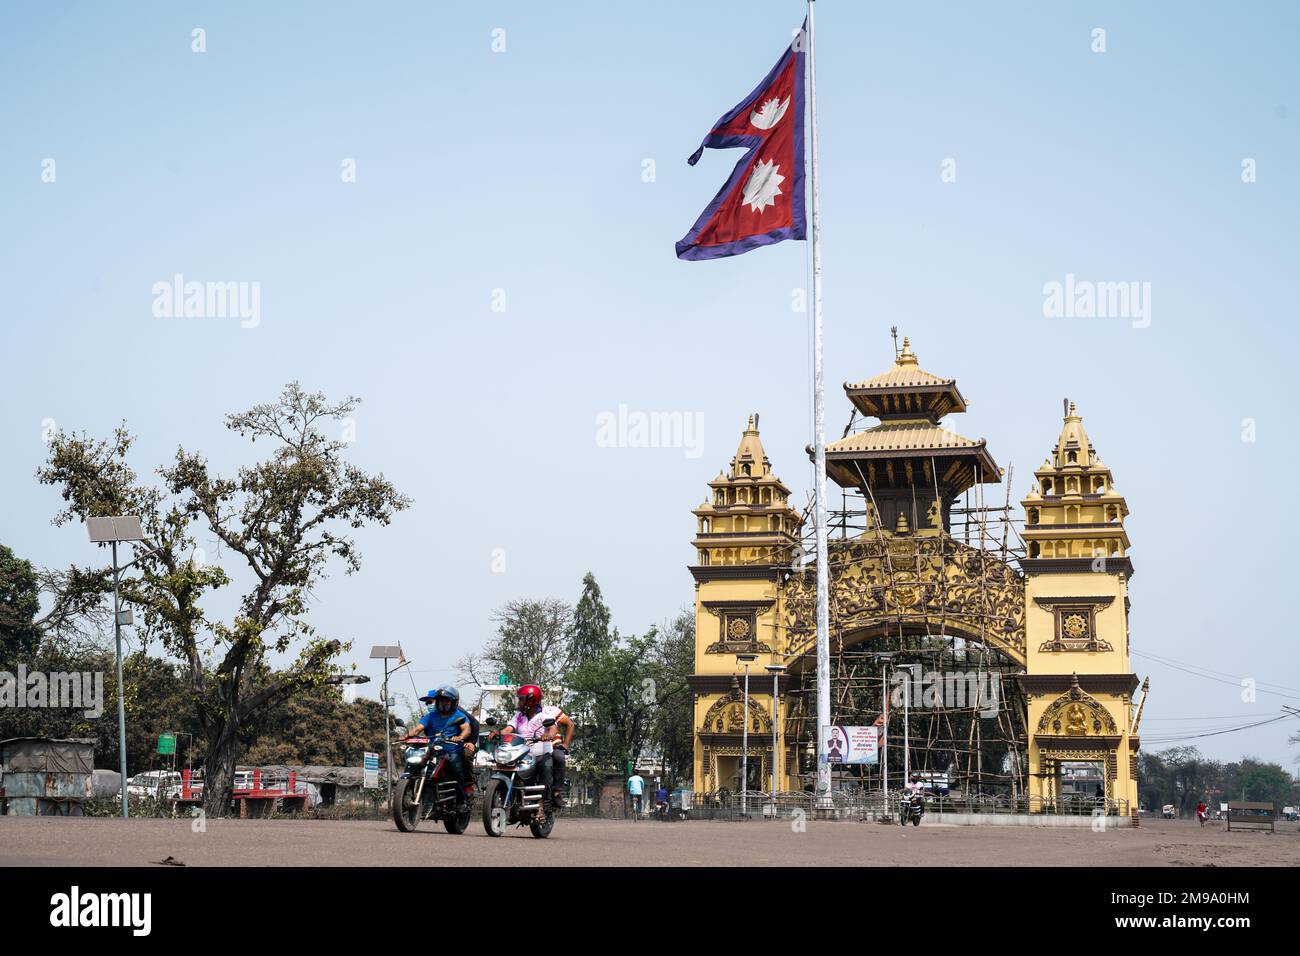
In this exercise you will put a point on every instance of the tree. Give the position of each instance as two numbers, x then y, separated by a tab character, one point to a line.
615	698
590	635
20	603
77	614
283	518
317	727
673	728
1263	782
531	645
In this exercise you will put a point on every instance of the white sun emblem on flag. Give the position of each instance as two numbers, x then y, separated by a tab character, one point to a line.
763	186
769	114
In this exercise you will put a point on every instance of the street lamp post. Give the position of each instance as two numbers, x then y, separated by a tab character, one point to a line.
746	659
112	530
775	670
388	652
884	736
907	700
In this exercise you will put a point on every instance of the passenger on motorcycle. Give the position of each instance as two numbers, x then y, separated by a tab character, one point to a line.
445	717
552	751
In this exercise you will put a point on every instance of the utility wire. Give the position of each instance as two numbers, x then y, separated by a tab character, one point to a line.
1216	733
1171	660
1220	680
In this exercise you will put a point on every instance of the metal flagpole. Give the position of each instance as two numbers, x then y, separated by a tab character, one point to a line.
819	452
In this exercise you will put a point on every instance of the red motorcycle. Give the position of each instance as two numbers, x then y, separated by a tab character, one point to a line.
427	789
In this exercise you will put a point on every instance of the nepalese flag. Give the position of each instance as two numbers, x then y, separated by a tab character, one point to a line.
763	201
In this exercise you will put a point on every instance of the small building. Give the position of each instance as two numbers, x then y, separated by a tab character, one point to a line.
44	777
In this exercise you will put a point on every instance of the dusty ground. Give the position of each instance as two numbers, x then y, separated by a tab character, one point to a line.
101	842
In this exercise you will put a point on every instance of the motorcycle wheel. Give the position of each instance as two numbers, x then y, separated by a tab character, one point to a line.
916	820
495	814
406	814
543	830
457	821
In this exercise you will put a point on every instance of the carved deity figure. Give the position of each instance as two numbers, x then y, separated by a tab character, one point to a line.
1076	720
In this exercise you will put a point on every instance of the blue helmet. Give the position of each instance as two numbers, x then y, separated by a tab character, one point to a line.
446	690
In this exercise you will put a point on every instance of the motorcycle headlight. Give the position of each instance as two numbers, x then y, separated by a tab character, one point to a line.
415	755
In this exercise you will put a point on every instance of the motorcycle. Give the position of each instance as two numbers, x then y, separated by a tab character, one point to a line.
911	807
427	789
515	793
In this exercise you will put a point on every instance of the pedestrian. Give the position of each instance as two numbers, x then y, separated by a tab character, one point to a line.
636	788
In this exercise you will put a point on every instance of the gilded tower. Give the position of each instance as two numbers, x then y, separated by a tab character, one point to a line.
746	537
1078	675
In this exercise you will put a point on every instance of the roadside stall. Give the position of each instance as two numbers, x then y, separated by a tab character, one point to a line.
44	777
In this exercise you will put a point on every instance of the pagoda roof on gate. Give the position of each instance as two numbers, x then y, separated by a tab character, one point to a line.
906	391
903	436
910	403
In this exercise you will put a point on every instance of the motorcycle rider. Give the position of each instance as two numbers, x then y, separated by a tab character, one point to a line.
915	790
445	717
528	723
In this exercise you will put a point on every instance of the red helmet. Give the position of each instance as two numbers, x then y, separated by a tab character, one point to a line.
530	695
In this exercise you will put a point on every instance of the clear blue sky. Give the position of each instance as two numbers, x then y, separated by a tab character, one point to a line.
522	171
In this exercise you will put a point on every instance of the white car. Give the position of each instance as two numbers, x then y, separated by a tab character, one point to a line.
155	785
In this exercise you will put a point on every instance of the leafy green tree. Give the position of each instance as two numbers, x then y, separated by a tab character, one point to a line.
20	603
284	518
614	697
1264	782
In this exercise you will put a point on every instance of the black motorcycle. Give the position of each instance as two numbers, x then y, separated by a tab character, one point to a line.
515	793
428	789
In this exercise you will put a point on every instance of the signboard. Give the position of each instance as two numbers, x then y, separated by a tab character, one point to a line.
370	769
167	743
852	745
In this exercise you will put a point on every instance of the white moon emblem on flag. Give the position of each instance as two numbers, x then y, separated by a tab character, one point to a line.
763	186
769	114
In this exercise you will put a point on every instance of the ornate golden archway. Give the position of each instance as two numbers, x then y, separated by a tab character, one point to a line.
918	572
911	585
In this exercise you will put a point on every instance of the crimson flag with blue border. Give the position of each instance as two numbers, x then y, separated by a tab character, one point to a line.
763	201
